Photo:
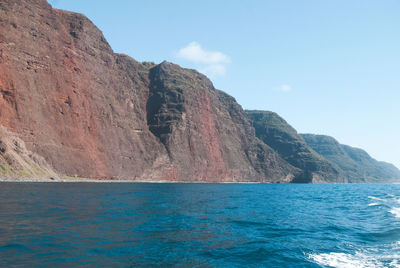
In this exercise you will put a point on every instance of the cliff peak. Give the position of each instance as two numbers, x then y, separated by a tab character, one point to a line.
79	109
116	117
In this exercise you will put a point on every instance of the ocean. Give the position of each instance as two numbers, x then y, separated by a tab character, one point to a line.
199	225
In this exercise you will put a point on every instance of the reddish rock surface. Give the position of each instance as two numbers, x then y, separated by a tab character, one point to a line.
89	112
206	133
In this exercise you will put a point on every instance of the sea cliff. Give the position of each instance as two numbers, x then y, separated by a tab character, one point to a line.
71	107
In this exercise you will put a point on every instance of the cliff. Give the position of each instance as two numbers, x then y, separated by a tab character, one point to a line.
206	131
89	112
284	139
71	107
356	164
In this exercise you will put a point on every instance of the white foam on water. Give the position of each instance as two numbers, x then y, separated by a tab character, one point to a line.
392	203
343	260
376	198
387	256
395	264
395	211
374	204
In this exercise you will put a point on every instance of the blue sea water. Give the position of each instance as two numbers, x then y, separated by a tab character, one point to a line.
199	225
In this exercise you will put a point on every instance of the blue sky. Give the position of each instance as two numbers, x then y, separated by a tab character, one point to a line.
327	67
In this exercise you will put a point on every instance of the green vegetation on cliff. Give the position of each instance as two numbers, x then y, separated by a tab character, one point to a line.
274	131
71	106
16	161
356	164
321	158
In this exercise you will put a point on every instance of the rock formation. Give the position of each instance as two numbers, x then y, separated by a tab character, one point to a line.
356	164
71	107
92	113
283	138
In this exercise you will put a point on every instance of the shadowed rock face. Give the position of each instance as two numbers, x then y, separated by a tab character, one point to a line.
206	131
283	138
89	112
70	106
356	164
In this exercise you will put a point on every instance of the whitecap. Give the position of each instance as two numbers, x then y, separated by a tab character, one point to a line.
374	204
395	263
376	198
343	260
395	211
386	256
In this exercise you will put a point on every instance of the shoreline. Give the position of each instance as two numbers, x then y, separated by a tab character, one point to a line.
85	180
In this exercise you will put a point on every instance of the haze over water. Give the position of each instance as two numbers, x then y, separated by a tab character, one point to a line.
210	225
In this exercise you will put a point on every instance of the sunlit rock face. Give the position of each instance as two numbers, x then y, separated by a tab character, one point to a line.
89	112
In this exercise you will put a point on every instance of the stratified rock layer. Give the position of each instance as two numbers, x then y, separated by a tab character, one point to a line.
356	164
69	97
18	162
284	139
92	113
70	106
206	130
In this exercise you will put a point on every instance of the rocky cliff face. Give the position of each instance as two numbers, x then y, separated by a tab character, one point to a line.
17	161
70	98
71	107
89	112
284	139
206	130
356	164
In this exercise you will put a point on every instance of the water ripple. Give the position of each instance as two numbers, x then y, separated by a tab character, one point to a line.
199	225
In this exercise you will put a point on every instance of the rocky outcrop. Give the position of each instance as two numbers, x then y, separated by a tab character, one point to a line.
356	164
206	131
18	162
92	113
71	107
274	131
70	98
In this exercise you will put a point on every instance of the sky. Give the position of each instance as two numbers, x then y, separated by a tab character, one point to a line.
327	67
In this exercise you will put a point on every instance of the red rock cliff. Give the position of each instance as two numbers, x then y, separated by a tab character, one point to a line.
92	113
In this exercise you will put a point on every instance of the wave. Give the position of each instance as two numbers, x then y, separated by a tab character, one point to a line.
391	202
390	199
386	256
376	198
395	211
374	204
344	260
358	260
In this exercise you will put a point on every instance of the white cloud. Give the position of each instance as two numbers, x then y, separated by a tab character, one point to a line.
285	88
214	69
210	62
195	53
